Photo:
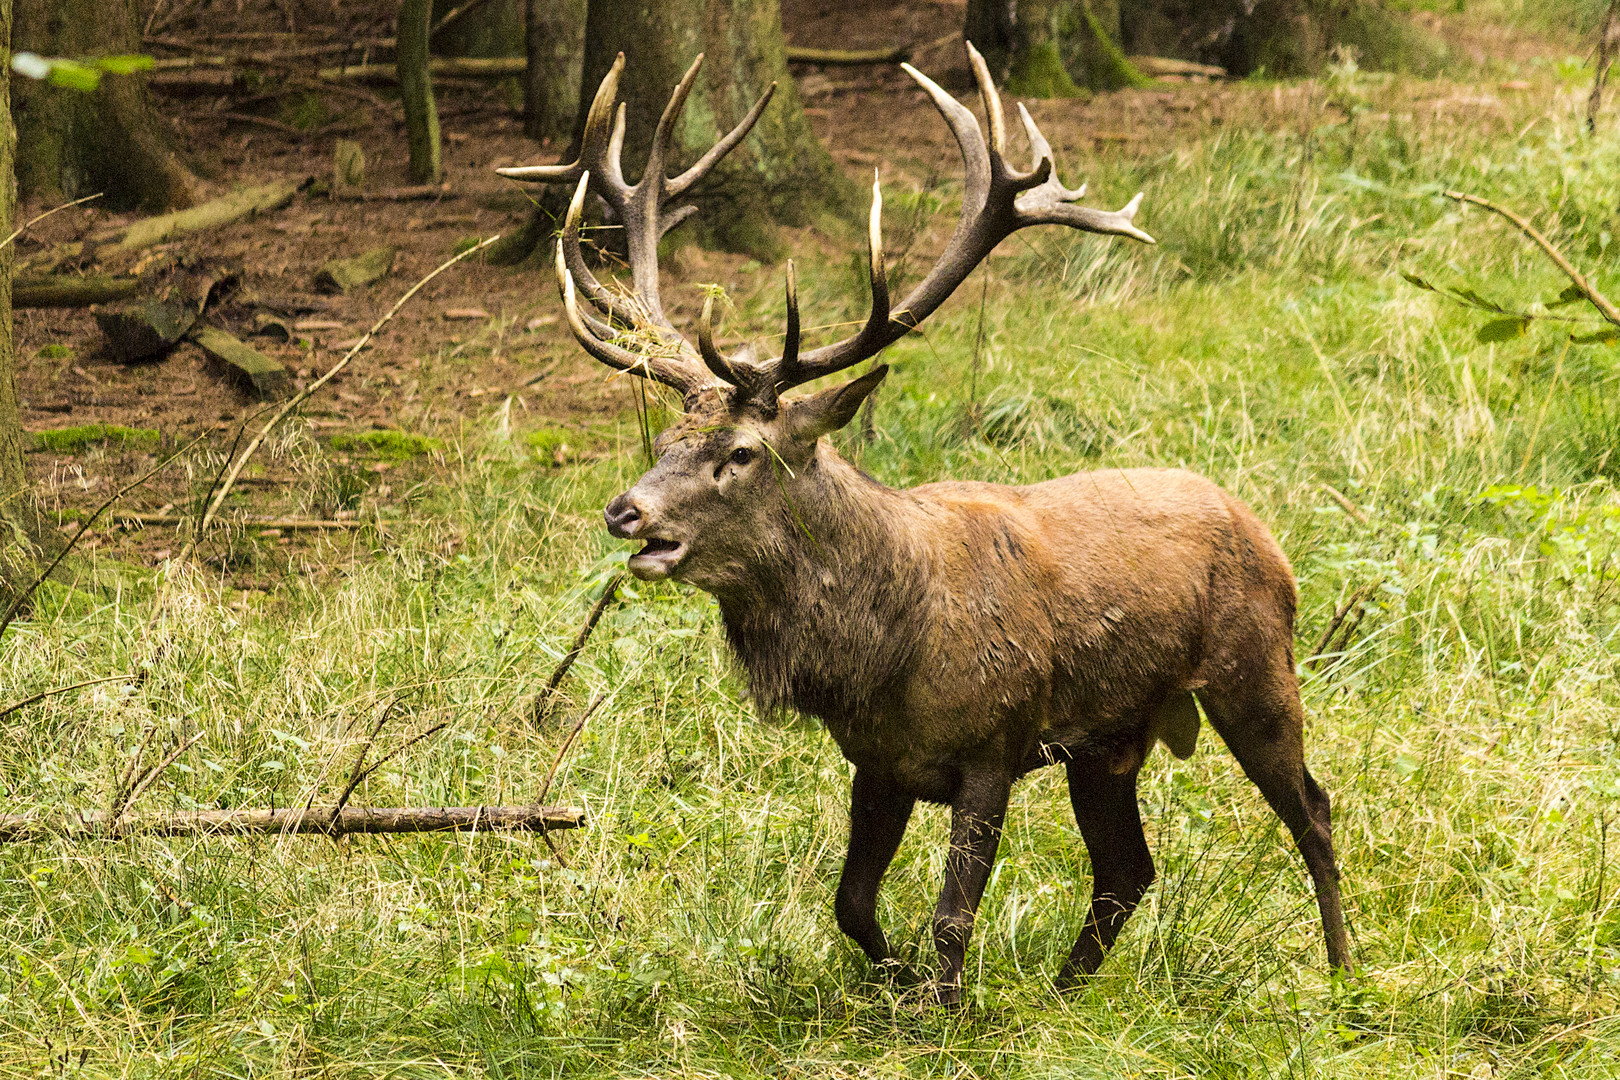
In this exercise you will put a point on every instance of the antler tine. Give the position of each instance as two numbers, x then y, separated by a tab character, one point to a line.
701	168
711	355
600	295
666	122
1043	151
992	101
969	139
879	315
789	362
596	127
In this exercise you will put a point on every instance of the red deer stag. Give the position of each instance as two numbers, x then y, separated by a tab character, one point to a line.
953	636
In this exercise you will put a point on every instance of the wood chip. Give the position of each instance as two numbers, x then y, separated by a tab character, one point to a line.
465	313
317	324
538	321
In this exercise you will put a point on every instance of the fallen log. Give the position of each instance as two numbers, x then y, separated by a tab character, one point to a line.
99	825
210	215
142	517
70	291
799	54
1161	66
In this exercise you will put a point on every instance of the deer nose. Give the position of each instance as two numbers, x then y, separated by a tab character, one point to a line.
623	517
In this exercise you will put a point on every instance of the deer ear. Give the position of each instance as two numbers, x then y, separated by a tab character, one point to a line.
828	410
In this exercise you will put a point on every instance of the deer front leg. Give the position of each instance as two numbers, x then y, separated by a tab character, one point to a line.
977	814
878	813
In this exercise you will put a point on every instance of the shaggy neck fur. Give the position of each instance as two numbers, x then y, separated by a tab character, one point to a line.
829	620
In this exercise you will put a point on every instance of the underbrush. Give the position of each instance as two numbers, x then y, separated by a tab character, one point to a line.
1454	500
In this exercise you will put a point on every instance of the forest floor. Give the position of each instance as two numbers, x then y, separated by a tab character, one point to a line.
1445	486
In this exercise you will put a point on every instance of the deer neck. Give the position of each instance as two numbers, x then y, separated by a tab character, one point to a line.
830	615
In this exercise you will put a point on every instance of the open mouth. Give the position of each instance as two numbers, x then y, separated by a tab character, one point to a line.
657	558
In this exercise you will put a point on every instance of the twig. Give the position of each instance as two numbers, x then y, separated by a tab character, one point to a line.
1344	500
143	517
398	750
1594	101
53	691
543	702
120	801
357	772
230	455
17	605
453	14
551	773
1609	312
36	220
562	751
1356	600
97	825
304	395
153	773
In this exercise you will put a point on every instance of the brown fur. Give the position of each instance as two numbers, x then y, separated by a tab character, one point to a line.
956	635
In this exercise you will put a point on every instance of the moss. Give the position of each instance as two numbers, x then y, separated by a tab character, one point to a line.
555	445
1113	70
1040	74
388	445
72	440
55	352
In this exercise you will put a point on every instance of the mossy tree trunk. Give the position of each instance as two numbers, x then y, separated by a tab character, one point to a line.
1051	48
780	174
555	46
20	526
72	144
416	89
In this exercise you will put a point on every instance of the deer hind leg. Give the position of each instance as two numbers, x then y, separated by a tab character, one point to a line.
977	814
1262	722
1121	866
878	814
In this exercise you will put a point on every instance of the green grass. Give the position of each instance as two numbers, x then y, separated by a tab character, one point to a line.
74	440
1469	732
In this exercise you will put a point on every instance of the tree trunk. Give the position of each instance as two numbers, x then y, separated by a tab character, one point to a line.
555	46
779	175
20	525
416	89
74	144
1051	48
1280	37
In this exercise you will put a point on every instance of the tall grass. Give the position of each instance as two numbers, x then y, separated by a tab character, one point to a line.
1469	731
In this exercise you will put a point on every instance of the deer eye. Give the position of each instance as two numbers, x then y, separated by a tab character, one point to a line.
742	456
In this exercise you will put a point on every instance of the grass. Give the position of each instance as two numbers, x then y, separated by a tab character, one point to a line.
72	440
1469	732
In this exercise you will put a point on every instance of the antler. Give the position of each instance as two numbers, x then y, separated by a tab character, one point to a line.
640	208
997	201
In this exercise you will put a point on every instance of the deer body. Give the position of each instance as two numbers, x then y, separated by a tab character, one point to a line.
952	636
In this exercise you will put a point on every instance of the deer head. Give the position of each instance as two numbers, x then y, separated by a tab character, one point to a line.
726	472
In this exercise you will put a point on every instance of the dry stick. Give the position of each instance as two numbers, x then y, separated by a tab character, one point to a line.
153	773
562	751
394	753
1344	501
1338	620
36	220
354	819
1609	312
119	801
359	762
1594	102
304	395
43	694
547	697
11	613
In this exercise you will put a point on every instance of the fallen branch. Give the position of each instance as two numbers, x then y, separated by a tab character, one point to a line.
799	54
143	517
210	215
547	697
302	396
98	825
1594	101
1609	312
70	291
398	194
474	67
1344	502
1357	604
551	773
53	691
31	222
